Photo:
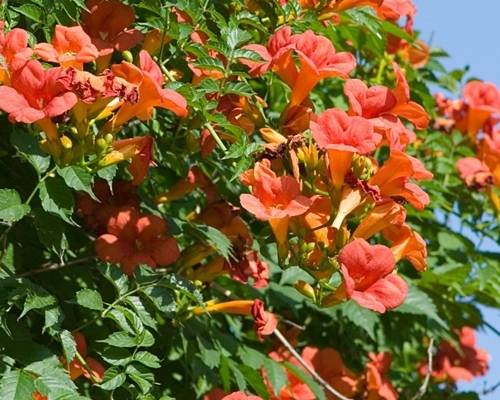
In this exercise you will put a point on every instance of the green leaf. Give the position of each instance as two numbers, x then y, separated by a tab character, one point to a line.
116	277
77	178
275	374
419	303
28	146
36	300
56	198
162	298
208	354
16	385
147	359
68	344
395	30
254	379
307	379
361	317
108	174
120	339
141	376
112	379
90	299
123	339
116	356
213	237
12	208
251	357
239	88
31	11
50	230
210	64
53	318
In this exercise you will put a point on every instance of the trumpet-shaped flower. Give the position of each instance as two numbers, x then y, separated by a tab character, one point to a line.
249	265
474	172
264	322
318	60
378	386
408	244
382	106
459	364
275	56
219	394
96	213
342	136
489	152
35	94
150	80
75	367
317	56
70	47
482	100
380	217
393	179
329	365
368	276
274	199
135	239
15	52
139	150
335	130
107	23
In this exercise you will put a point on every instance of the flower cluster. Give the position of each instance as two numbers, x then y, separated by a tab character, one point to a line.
372	384
326	187
225	171
79	113
477	115
455	363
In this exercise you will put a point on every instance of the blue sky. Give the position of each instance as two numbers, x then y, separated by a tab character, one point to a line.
469	31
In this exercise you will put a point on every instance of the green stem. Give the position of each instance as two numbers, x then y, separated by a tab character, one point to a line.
215	136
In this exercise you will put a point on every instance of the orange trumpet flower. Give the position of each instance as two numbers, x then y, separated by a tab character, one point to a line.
368	277
318	60
380	217
70	47
393	179
483	101
378	386
489	152
150	80
14	50
317	56
474	172
408	244
36	96
342	136
382	106
107	23
138	149
274	199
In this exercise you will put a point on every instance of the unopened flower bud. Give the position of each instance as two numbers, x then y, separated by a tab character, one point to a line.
66	142
109	138
306	289
127	56
342	237
334	264
309	156
272	136
362	167
101	144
